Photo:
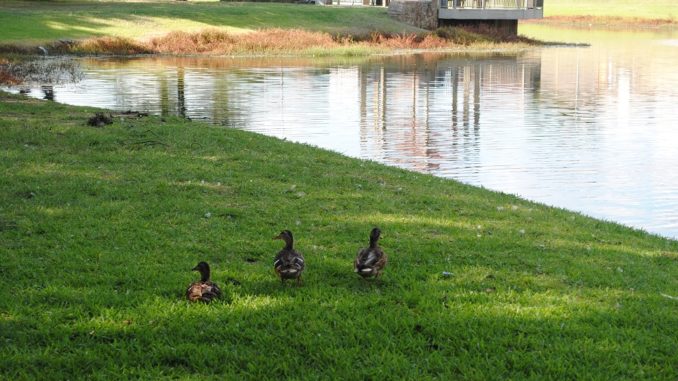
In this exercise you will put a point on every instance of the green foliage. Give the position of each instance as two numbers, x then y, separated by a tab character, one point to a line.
99	228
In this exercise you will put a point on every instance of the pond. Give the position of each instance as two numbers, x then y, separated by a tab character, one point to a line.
592	129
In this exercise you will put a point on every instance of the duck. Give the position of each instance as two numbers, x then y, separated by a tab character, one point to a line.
203	290
371	260
289	263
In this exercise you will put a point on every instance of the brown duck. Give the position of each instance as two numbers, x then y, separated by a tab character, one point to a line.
371	260
289	263
204	290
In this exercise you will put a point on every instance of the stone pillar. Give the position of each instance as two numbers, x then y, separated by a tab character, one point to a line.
422	14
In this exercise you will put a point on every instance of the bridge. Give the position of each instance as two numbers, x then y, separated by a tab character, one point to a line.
501	15
490	9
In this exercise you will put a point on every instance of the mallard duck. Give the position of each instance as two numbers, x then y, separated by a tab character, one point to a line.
289	263
371	260
204	290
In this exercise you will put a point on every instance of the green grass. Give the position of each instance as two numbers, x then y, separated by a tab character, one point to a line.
30	21
645	9
99	228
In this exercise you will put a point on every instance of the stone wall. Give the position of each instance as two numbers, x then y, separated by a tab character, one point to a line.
422	14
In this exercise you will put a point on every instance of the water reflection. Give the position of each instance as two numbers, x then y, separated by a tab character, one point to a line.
40	72
590	129
430	120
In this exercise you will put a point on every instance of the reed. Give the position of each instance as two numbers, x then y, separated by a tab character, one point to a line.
109	45
281	41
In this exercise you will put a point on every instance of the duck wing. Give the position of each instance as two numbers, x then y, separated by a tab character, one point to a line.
203	291
367	257
370	261
210	287
194	291
381	261
289	263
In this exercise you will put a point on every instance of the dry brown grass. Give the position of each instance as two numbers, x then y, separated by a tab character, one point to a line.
410	41
264	41
7	78
109	45
281	40
16	49
286	40
261	41
207	41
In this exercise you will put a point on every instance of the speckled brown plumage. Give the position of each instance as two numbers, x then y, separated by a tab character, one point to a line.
289	263
203	290
371	260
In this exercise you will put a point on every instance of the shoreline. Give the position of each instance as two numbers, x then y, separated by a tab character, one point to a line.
4	95
126	112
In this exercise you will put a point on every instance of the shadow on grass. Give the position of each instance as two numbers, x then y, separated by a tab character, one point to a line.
319	332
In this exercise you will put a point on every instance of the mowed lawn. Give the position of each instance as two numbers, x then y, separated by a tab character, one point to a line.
38	21
646	9
100	227
31	21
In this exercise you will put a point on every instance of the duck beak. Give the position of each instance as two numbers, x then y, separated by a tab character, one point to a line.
195	268
279	236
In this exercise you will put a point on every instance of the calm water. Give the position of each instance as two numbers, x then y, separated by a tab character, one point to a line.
592	129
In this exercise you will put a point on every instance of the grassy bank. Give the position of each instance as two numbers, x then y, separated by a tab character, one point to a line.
612	13
99	228
31	21
85	27
648	9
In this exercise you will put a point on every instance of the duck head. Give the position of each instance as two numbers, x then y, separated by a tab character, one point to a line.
286	236
204	270
374	236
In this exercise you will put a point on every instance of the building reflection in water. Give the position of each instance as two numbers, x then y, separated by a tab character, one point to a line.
429	118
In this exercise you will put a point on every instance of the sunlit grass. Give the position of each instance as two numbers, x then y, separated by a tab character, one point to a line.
82	27
648	9
98	236
623	15
46	20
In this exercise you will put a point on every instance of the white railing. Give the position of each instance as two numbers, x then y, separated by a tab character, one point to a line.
492	4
